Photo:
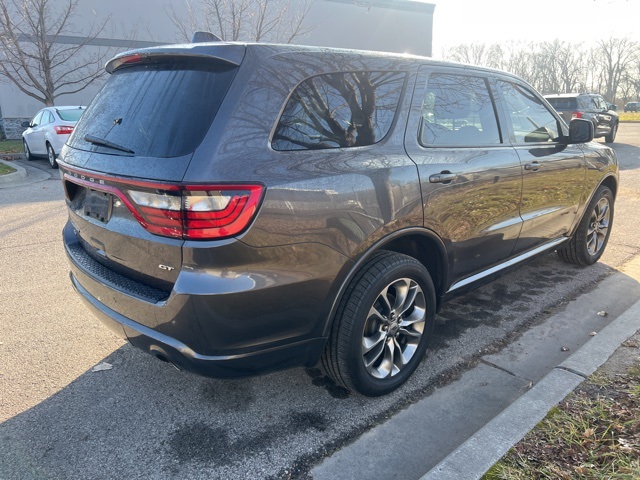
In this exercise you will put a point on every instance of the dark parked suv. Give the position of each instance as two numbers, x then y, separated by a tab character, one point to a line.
589	106
241	208
632	107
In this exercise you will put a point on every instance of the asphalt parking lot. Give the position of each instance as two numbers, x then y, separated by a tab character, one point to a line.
143	419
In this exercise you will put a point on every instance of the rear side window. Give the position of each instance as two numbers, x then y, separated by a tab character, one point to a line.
458	110
70	115
339	110
155	110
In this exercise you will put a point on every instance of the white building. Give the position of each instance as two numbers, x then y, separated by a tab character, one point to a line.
401	26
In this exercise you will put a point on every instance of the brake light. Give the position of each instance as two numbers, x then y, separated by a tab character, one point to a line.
63	129
196	212
576	115
126	60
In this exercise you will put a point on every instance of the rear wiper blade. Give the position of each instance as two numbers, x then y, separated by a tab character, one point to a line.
106	143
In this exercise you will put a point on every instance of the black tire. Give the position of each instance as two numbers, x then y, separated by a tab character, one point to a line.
27	152
51	155
612	135
397	334
590	239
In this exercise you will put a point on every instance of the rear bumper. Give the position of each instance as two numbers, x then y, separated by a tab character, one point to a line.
219	322
169	349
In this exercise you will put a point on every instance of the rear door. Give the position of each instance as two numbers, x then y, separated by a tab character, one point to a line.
553	172
471	179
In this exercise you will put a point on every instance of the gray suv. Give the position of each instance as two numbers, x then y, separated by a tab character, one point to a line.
589	106
242	208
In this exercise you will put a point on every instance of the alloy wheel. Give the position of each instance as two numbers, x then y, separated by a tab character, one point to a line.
598	226
394	328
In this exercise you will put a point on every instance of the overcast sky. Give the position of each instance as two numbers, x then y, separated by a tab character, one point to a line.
483	21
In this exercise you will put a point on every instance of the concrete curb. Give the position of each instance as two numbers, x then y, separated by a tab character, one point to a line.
25	175
19	174
481	451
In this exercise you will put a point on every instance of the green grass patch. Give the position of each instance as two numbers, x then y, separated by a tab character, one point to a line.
11	146
593	434
629	116
5	169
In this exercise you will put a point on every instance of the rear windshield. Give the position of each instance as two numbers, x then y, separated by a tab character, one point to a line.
70	115
563	103
155	110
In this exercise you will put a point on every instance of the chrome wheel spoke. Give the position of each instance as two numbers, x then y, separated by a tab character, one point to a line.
375	313
410	298
402	292
369	343
385	367
399	359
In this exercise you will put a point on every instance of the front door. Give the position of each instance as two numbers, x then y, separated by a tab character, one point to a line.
471	179
553	172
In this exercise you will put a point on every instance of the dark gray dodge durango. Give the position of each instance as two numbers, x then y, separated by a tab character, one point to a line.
241	208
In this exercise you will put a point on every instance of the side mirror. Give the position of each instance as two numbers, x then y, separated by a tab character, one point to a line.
580	131
25	124
613	107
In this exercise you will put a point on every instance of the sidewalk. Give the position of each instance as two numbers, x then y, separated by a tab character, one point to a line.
25	174
462	429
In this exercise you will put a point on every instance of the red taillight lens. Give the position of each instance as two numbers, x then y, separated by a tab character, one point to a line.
63	129
576	115
198	212
219	212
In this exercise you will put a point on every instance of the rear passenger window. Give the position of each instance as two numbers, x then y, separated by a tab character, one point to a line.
458	110
531	121
339	110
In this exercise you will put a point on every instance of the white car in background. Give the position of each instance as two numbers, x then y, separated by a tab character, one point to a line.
48	131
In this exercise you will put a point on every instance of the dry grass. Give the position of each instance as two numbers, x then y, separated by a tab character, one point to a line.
593	434
5	169
629	116
11	146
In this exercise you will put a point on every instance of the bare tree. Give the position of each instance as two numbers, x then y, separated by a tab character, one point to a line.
477	54
244	20
616	56
41	54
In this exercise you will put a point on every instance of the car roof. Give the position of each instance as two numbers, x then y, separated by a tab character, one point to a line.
233	53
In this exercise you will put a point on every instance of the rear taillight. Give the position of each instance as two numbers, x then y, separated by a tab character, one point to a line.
63	129
576	115
197	212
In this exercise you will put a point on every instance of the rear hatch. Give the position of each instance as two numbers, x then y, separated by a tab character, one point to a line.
565	106
123	165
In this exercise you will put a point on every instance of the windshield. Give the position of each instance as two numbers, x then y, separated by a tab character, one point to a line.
154	110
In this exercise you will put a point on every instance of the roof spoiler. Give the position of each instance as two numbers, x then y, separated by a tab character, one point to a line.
203	37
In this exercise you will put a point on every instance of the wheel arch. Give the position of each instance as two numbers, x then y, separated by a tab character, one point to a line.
419	243
611	182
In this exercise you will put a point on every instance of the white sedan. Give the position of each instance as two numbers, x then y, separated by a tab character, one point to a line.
48	131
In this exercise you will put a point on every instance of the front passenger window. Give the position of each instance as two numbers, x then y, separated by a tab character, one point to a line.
531	121
457	110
